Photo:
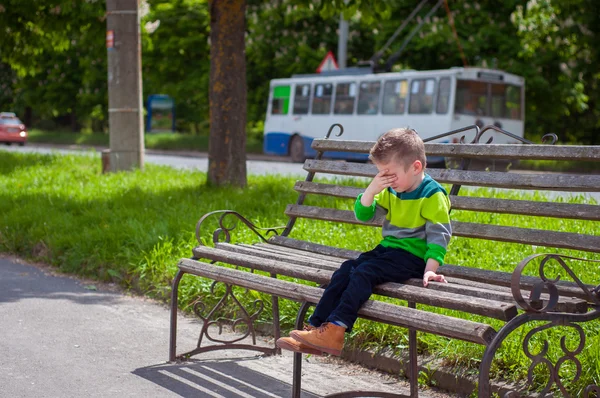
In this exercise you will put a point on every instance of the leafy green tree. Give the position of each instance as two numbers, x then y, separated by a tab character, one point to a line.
560	51
57	52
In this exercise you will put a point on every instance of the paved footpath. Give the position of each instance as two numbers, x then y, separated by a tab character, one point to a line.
64	337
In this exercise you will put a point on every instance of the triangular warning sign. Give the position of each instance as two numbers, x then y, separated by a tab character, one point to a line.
328	63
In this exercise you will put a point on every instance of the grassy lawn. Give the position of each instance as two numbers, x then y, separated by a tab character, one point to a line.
132	228
165	141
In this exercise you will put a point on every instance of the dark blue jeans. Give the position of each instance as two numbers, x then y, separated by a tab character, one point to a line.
353	283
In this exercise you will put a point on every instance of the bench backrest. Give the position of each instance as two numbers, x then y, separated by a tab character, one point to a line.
467	199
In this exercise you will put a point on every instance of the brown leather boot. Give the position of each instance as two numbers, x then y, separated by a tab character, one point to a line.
328	338
288	343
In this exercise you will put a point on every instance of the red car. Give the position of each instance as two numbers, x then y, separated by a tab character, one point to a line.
12	129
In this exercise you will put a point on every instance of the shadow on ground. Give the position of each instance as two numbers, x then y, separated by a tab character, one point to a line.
23	281
216	378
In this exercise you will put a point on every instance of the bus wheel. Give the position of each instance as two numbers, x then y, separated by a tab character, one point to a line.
297	149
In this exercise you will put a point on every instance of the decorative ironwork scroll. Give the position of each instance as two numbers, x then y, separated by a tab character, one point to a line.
592	295
552	287
225	230
212	318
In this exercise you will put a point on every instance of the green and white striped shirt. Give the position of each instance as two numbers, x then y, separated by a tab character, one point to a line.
416	221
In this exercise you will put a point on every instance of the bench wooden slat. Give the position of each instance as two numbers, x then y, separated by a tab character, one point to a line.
465	287
499	233
418	294
484	151
490	205
475	332
457	286
307	254
565	288
314	247
535	181
500	293
265	253
573	211
537	237
490	279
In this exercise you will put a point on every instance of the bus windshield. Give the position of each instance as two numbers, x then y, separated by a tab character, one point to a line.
498	100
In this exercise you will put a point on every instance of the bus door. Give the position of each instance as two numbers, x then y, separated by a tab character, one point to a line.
485	103
277	134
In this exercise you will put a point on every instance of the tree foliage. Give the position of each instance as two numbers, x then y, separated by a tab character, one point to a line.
554	44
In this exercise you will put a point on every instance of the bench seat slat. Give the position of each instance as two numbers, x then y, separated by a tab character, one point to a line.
457	286
313	247
565	288
534	181
305	253
488	290
273	255
530	236
499	310
564	304
490	205
483	151
475	332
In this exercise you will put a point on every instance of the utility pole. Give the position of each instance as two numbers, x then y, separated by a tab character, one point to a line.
125	109
342	42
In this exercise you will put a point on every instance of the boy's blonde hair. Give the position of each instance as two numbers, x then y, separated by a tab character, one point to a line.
402	145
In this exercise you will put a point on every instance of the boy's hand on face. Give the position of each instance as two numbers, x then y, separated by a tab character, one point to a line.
381	181
432	276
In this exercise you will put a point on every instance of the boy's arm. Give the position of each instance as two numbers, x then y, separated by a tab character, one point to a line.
364	207
436	211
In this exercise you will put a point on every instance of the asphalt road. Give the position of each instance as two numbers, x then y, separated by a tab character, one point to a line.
257	164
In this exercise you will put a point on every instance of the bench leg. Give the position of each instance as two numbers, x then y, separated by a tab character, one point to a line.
174	300
276	325
297	378
414	370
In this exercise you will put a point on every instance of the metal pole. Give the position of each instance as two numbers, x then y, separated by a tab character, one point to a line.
414	367
343	42
125	109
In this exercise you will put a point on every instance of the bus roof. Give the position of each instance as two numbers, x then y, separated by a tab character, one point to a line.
484	74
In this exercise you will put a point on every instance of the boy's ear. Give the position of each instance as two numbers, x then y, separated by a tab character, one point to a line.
417	166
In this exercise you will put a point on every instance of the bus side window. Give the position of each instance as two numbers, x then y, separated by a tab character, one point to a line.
443	97
513	102
281	100
394	97
321	104
421	96
368	98
471	98
301	99
345	95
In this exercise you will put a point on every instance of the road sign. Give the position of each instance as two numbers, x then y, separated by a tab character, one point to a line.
328	63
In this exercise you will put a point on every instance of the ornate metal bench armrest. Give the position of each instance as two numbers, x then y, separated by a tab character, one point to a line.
262	233
592	295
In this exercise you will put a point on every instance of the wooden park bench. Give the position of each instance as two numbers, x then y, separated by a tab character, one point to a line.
475	288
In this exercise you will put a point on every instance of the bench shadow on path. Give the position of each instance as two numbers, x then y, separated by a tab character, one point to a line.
217	378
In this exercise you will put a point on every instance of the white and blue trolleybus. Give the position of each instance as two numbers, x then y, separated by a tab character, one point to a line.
303	107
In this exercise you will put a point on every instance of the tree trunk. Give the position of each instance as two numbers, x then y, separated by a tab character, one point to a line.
73	119
227	93
28	118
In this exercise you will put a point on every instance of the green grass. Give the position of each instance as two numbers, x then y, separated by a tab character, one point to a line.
132	228
163	141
